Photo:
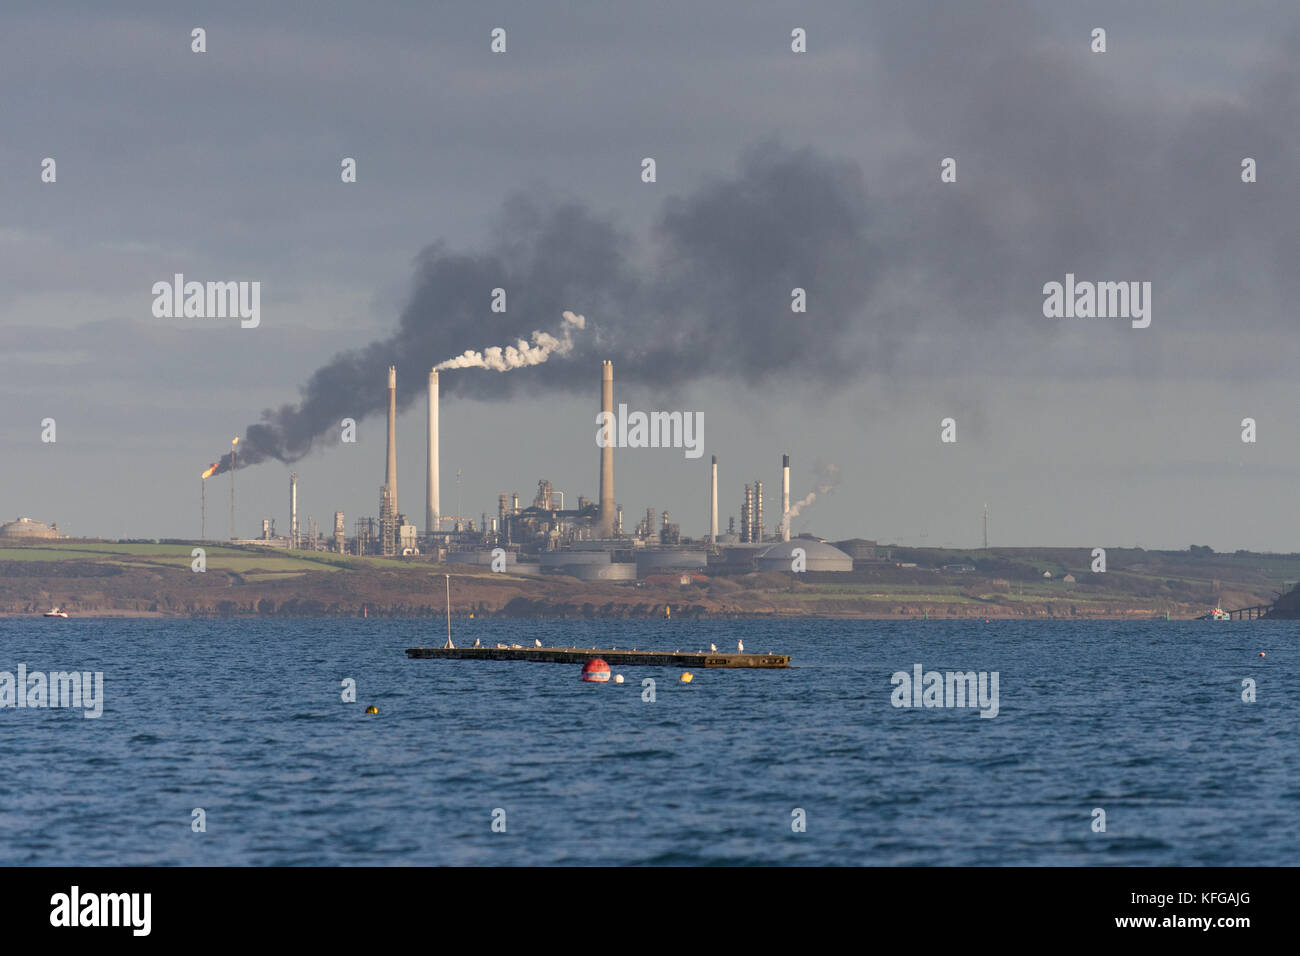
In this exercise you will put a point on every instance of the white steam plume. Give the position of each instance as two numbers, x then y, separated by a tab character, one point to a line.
503	358
829	477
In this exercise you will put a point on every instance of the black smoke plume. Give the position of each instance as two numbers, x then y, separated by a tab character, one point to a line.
708	293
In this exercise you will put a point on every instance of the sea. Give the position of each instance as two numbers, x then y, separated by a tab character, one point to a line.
240	742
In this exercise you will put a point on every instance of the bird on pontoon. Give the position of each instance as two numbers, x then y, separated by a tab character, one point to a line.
713	648
740	645
536	642
476	642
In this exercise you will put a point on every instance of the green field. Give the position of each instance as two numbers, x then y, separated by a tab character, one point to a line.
218	557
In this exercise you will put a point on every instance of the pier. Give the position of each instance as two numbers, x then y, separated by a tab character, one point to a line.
1254	613
1250	613
611	656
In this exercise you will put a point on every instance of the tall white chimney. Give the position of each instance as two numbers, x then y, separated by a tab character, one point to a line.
713	503
293	510
432	507
785	497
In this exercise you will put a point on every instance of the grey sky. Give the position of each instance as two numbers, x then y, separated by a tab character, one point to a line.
924	298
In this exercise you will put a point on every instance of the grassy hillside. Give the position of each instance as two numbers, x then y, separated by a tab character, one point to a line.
91	577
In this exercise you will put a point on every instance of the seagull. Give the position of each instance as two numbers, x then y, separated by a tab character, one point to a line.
713	648
476	642
536	642
740	645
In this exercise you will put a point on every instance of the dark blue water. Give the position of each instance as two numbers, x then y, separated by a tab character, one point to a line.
245	720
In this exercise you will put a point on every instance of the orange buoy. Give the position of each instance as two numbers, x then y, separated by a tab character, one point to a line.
1262	654
595	671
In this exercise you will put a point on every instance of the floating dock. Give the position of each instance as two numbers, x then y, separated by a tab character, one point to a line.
611	656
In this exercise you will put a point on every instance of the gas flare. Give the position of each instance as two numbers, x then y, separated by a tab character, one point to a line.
222	465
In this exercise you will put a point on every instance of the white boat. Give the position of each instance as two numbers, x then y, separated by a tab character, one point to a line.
1218	614
56	612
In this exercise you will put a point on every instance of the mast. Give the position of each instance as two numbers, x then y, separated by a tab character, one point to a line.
448	579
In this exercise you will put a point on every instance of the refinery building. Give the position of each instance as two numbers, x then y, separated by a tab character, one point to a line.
585	538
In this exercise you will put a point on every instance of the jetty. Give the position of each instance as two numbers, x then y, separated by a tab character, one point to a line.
1257	613
611	656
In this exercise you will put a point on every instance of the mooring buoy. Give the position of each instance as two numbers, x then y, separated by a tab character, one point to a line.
595	671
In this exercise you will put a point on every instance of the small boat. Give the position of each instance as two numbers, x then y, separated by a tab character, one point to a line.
1218	614
56	612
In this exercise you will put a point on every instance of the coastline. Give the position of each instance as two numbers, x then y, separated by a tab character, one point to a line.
160	580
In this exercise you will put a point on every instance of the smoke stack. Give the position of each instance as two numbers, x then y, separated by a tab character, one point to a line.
785	497
432	509
605	520
390	468
234	445
293	511
713	503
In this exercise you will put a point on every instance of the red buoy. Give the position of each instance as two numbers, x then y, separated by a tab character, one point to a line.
595	670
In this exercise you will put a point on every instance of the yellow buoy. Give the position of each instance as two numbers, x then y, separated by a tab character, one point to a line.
372	709
687	677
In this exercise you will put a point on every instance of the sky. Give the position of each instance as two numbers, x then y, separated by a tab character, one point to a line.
773	170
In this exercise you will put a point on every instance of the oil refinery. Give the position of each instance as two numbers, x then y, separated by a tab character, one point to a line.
553	533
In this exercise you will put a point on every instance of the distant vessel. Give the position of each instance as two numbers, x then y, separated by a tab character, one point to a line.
1218	614
56	612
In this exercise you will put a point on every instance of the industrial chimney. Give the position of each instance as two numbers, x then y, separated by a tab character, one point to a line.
713	503
390	468
432	509
605	519
388	493
293	511
785	497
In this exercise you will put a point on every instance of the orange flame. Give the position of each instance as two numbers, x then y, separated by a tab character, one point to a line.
211	468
